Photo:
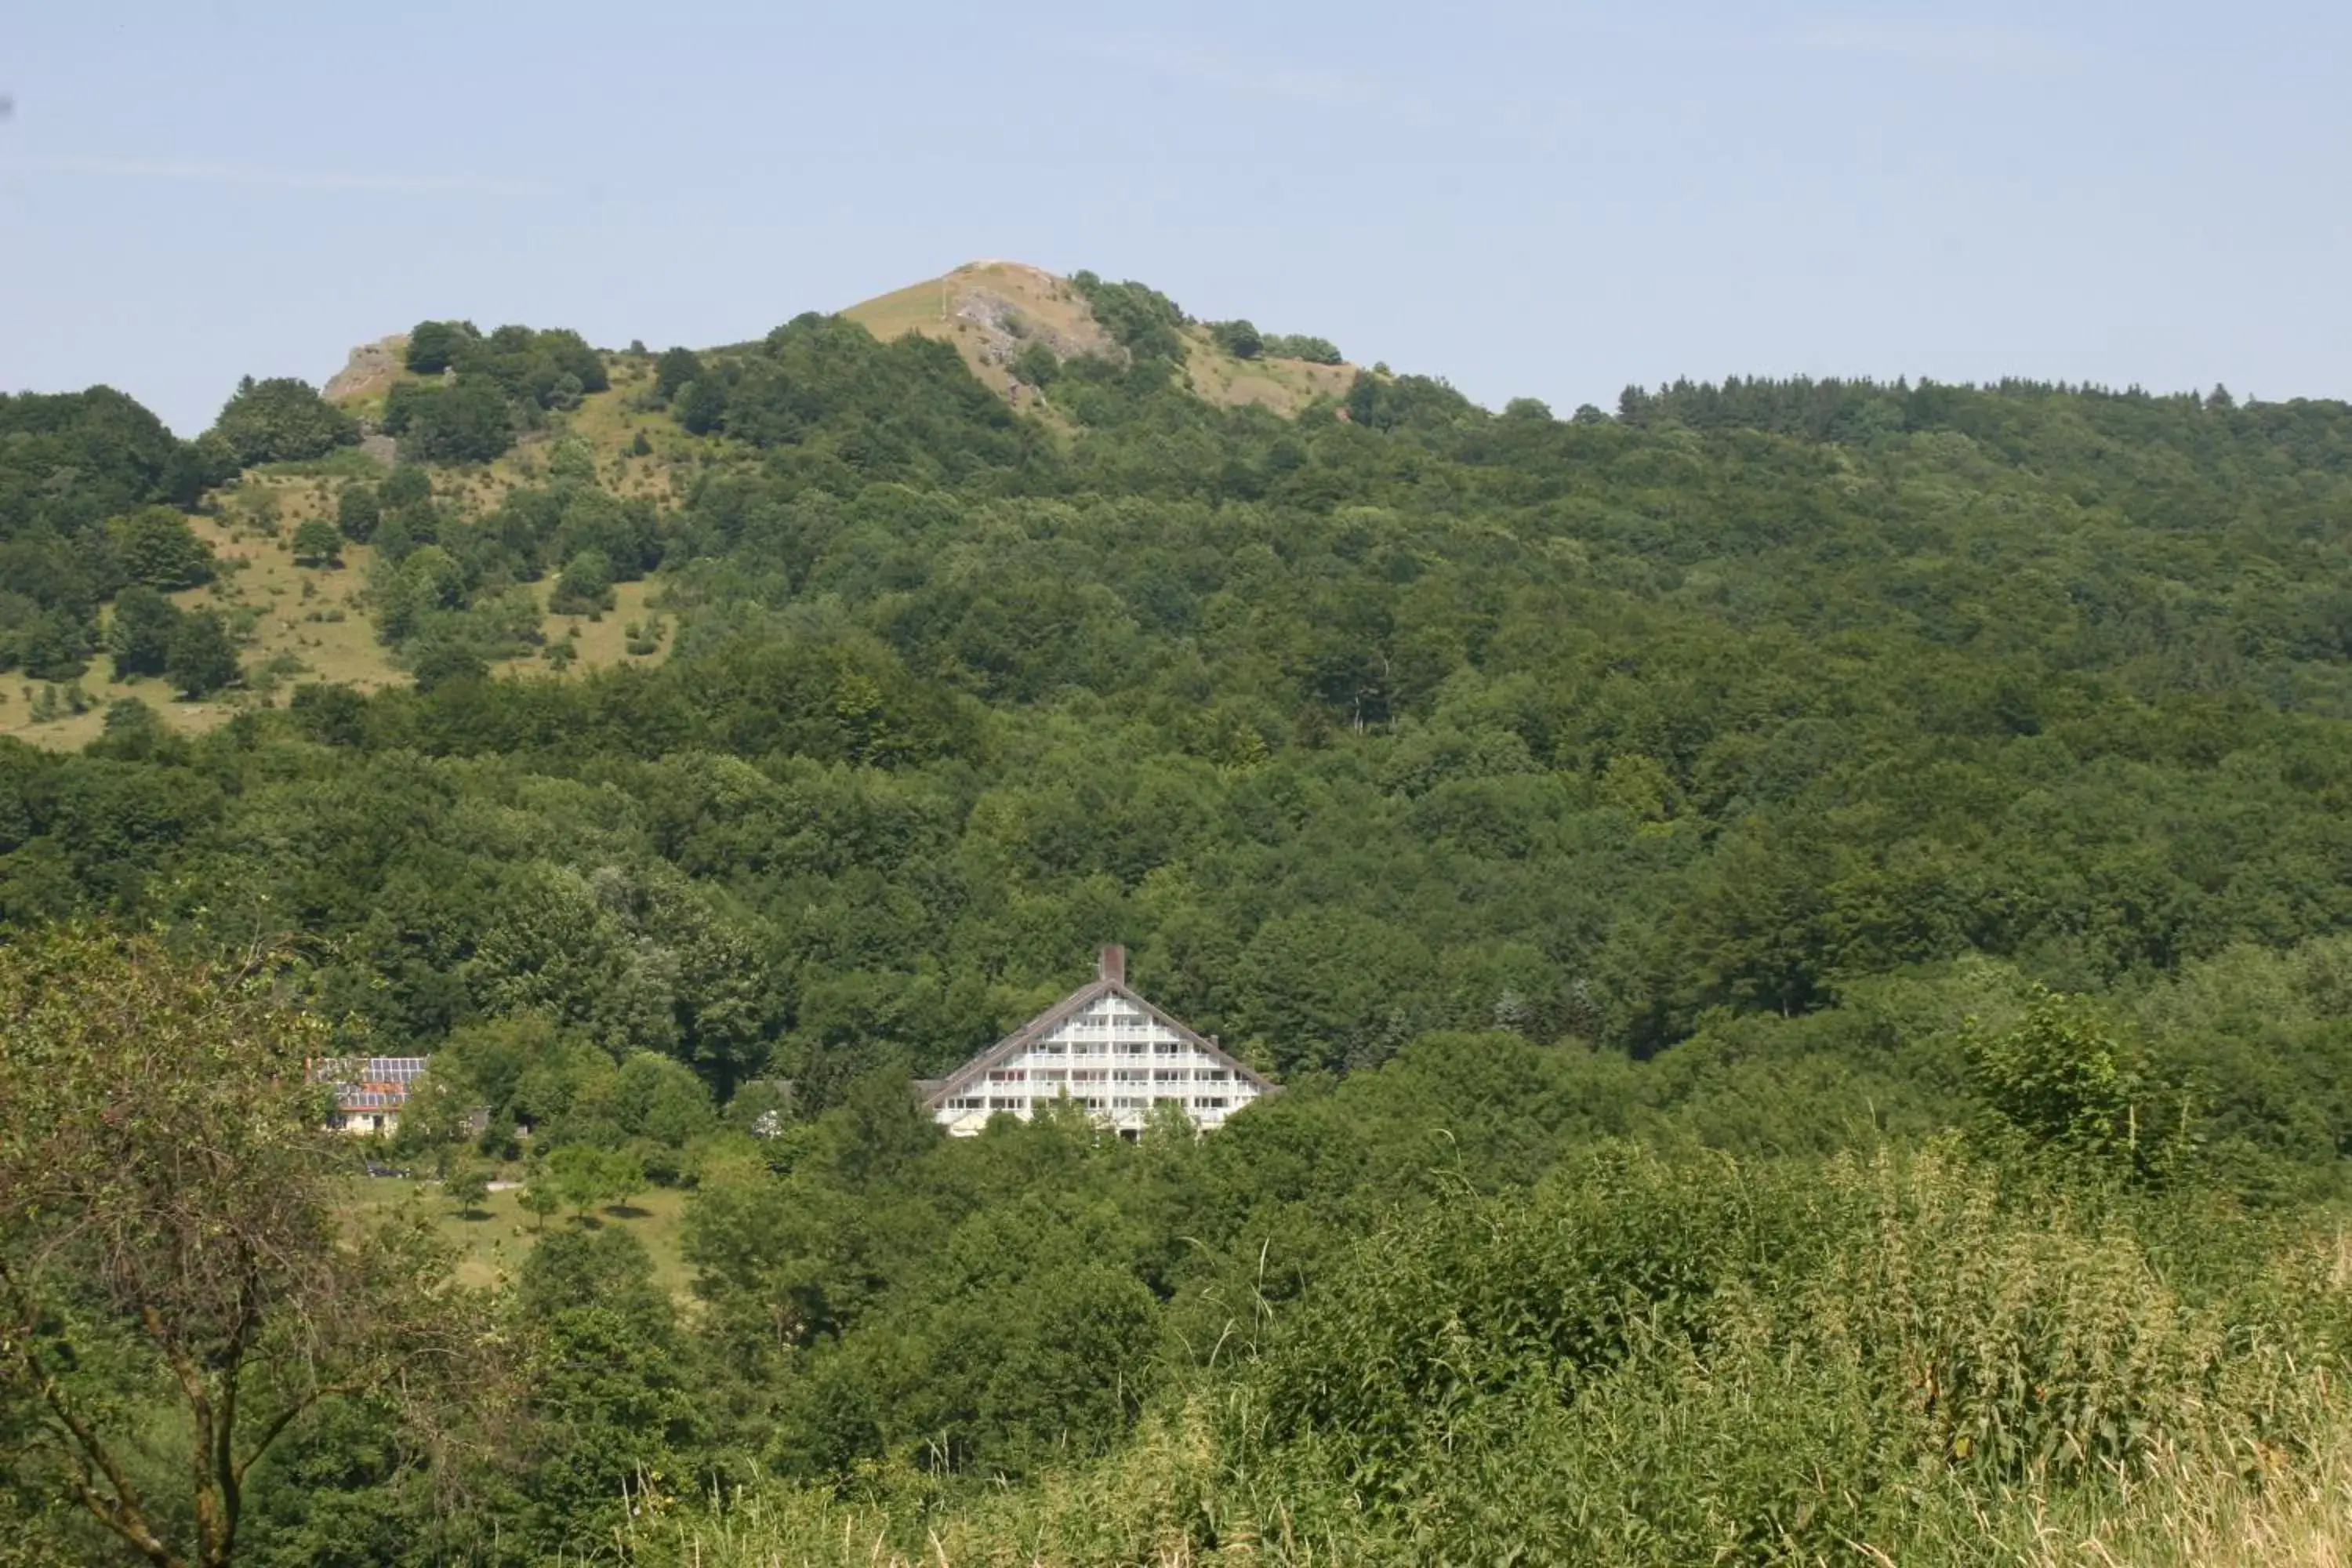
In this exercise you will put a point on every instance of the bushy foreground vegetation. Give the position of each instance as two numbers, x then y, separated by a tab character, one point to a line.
1490	1301
1879	1359
1803	926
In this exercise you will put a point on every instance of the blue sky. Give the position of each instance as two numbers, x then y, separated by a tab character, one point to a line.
1541	199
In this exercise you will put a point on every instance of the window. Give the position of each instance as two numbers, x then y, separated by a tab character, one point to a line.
1166	1048
1053	1075
1209	1103
1169	1075
1130	1075
1008	1102
1008	1075
1126	1104
967	1102
1088	1075
1213	1075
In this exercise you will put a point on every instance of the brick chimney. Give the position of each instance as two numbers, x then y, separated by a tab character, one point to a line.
1113	964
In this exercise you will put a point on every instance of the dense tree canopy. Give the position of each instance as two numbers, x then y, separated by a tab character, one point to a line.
1560	808
465	422
71	463
1798	706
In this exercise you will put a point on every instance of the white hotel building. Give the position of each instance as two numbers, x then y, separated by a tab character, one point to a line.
1109	1050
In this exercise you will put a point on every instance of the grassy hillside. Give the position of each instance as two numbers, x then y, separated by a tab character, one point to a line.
320	623
296	623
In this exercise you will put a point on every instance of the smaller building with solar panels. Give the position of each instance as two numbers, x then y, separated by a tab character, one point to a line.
368	1091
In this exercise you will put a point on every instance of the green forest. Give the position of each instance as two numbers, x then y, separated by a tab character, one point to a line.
1805	928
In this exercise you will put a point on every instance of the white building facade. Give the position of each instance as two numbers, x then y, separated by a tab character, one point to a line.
1108	1051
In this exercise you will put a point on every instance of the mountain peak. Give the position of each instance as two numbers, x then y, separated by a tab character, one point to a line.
993	310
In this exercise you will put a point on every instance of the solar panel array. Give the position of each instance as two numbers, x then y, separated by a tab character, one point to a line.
373	1083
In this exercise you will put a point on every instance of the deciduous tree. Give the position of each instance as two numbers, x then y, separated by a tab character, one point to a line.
317	541
201	658
170	1240
138	636
282	420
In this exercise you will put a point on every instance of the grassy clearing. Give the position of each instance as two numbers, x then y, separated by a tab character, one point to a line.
601	641
611	421
299	623
1284	385
492	1241
938	306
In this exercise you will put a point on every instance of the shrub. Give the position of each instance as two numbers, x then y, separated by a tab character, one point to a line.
586	584
357	512
317	541
1315	351
1037	366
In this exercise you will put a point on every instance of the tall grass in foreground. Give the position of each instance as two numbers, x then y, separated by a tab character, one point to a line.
2178	1512
1897	1362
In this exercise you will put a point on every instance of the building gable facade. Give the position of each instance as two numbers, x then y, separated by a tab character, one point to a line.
1106	1050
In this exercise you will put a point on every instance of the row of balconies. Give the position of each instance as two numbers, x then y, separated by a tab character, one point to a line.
1111	1075
1114	1103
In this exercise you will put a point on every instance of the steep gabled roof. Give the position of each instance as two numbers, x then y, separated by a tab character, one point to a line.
1107	984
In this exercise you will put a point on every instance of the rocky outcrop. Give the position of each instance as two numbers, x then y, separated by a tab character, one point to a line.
371	369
